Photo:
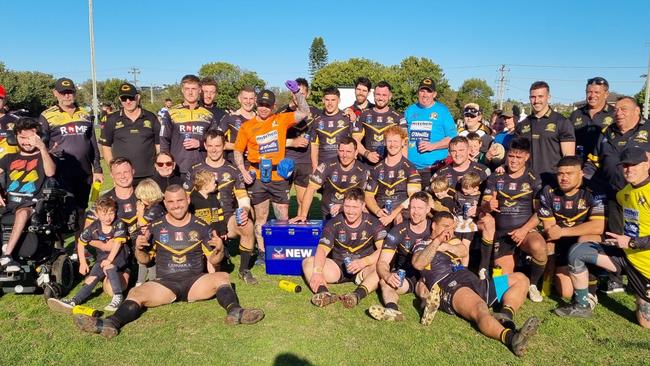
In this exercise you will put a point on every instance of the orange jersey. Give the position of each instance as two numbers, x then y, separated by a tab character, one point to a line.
265	139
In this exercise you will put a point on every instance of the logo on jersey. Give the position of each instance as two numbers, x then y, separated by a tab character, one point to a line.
420	131
342	236
178	236
179	260
550	127
73	129
193	235
268	142
188	128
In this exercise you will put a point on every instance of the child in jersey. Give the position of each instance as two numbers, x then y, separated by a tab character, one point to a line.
148	209
443	196
107	235
204	203
466	210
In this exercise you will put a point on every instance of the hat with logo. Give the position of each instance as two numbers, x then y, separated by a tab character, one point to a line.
266	97
427	83
507	112
127	89
64	84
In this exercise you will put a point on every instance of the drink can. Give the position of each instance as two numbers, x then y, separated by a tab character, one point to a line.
252	173
94	190
187	136
466	207
289	286
389	206
580	151
266	168
381	150
402	275
239	213
497	271
85	310
347	261
307	136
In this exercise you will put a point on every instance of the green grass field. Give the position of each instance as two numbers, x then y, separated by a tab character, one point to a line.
295	332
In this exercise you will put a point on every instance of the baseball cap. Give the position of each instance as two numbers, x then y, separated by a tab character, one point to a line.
3	93
128	90
266	97
507	112
633	156
64	84
427	83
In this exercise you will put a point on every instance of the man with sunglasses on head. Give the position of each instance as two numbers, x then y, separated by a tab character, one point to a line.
132	133
591	118
472	116
68	131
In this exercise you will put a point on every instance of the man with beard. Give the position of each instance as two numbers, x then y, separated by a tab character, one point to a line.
328	129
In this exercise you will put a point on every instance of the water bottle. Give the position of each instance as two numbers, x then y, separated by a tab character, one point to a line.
85	310
289	286
266	168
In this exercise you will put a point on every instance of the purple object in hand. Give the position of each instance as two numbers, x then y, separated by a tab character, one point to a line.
292	85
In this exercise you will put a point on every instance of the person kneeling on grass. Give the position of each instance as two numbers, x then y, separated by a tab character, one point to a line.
353	242
456	290
179	243
108	235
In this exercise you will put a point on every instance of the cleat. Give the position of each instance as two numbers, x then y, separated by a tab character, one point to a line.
90	324
534	295
244	316
247	276
574	310
115	303
505	321
593	300
381	313
612	287
431	304
349	300
63	306
522	336
259	261
323	299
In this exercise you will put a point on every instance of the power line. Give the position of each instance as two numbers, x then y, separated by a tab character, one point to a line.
503	71
135	72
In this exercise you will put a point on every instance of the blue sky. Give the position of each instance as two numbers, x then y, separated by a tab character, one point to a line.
166	40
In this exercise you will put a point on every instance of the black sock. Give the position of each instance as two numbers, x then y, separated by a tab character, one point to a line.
85	291
486	253
321	289
506	336
244	259
361	292
391	305
508	311
228	299
125	313
593	284
536	271
115	281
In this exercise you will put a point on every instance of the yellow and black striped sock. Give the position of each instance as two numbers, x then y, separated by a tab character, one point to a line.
361	292
506	336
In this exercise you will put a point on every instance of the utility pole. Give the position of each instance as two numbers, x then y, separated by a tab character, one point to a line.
646	102
135	72
95	102
501	89
151	90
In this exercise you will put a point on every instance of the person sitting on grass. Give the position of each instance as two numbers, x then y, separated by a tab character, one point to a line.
348	250
107	234
458	291
180	242
148	208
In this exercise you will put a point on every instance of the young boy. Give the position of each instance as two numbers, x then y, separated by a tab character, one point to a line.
474	142
204	203
148	209
107	234
465	209
443	196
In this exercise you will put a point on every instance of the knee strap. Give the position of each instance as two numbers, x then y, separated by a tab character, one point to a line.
582	254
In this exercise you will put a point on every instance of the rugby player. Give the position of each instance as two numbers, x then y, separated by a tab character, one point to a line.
328	129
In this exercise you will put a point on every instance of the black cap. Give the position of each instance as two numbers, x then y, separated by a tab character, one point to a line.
427	83
266	97
64	84
128	90
633	156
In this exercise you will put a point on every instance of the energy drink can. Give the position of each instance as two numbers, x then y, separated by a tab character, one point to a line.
94	190
466	207
85	310
347	261
402	275
253	175
266	168
289	286
389	206
307	136
239	216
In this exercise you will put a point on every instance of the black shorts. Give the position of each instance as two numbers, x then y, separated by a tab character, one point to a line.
121	260
562	247
636	280
277	191
454	281
301	174
180	285
13	205
503	244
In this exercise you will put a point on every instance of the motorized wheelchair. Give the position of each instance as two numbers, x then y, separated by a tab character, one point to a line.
44	264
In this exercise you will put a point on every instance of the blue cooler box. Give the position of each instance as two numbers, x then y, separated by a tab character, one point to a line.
287	245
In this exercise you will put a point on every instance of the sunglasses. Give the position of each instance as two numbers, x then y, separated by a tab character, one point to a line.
124	98
166	163
597	81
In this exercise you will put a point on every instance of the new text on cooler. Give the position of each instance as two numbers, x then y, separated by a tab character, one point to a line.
288	244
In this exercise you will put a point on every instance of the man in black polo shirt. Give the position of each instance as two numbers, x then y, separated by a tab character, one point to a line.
551	135
209	91
589	120
132	133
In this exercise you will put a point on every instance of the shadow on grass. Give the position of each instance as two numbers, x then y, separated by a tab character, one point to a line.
289	359
617	308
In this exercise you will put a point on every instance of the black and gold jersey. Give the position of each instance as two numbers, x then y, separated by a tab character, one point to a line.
454	176
370	127
335	181
392	182
230	125
515	196
568	211
126	211
327	131
401	240
209	210
230	185
7	139
340	240
180	251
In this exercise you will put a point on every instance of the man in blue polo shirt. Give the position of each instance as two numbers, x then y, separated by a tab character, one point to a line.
430	128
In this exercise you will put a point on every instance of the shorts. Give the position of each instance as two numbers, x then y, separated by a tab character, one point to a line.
80	188
121	260
466	235
562	247
180	286
347	277
301	174
491	290
503	244
13	205
636	280
277	191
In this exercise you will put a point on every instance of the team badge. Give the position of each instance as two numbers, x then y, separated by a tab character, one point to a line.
330	141
330	124
128	207
391	174
344	178
368	119
321	125
390	193
578	121
582	205
607	121
500	185
380	119
364	234
178	236
512	186
642	135
179	260
381	174
335	178
568	205
525	129
400	173
237	123
525	187
557	205
353	235
550	127
164	237
147	124
353	179
119	124
390	120
642	201
340	123
226	176
433	116
274	124
342	236
408	244
102	237
193	235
